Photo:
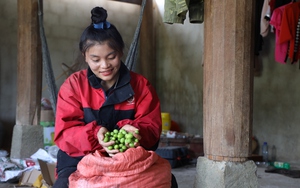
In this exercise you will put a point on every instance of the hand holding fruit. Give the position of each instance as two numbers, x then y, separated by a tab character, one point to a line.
122	140
101	135
133	130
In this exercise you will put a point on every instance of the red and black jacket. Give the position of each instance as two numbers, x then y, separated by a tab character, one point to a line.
83	107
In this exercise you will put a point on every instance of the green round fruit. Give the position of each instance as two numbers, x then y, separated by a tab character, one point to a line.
110	147
122	139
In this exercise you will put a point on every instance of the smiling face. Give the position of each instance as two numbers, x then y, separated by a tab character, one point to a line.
104	63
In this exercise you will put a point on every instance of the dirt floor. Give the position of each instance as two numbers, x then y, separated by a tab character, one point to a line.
185	176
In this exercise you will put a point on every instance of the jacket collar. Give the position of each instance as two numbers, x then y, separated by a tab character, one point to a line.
123	90
124	77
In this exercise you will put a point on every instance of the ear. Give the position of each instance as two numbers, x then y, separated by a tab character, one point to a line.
83	55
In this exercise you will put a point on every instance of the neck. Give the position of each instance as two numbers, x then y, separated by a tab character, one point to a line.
108	84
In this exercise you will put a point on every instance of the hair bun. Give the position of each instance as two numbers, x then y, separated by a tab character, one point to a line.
99	14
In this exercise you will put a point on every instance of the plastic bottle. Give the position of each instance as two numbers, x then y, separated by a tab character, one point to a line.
265	152
281	165
166	121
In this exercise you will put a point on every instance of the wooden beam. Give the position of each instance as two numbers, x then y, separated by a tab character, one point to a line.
138	2
228	79
147	45
29	70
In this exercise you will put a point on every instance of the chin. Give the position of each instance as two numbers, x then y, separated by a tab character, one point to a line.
106	78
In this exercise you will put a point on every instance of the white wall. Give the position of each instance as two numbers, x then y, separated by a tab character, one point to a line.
179	73
276	105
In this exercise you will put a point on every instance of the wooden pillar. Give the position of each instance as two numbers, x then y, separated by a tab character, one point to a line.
228	59
29	71
147	65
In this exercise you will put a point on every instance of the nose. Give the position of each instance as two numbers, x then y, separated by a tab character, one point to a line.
104	64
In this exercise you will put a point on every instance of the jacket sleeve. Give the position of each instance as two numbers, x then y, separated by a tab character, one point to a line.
147	117
72	135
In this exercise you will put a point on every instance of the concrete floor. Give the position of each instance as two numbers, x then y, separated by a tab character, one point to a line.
185	176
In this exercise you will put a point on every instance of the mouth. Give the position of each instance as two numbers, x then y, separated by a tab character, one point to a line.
107	72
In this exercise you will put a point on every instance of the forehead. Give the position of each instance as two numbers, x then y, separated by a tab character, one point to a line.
100	50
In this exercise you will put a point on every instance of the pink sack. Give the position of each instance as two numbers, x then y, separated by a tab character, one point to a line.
136	167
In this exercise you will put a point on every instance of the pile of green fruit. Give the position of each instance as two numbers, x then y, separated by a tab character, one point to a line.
123	139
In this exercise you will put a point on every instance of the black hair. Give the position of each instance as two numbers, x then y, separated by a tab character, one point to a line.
92	36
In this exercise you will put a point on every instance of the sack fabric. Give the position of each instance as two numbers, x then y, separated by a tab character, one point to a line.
136	167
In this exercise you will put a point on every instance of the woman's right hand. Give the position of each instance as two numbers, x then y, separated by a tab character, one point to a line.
101	135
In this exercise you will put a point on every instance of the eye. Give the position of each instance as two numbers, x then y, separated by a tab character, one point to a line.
111	57
95	60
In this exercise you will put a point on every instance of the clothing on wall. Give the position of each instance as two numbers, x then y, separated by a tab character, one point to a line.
175	11
281	49
266	13
283	18
277	3
264	21
258	39
289	32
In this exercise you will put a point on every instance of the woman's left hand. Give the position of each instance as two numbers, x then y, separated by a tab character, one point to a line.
133	130
105	145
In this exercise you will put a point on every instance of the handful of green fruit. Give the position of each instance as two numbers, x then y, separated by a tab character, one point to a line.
123	139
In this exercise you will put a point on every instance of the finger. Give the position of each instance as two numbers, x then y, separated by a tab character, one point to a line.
100	137
106	144
136	144
111	155
139	137
112	151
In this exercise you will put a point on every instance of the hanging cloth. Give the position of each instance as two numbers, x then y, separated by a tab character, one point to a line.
281	49
133	50
288	31
258	37
265	18
175	11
